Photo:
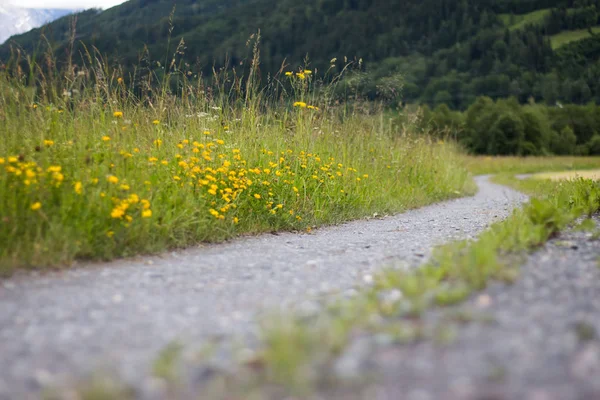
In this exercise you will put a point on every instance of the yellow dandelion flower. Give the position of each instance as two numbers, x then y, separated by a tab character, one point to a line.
146	213
110	234
301	75
157	142
155	122
236	220
206	132
257	196
36	206
300	104
117	213
105	138
78	187
124	187
307	72
118	114
119	80
48	143
112	179
289	73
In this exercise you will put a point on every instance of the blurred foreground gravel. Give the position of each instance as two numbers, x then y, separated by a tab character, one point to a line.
60	326
538	339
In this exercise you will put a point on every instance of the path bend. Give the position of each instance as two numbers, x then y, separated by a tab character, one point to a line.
122	313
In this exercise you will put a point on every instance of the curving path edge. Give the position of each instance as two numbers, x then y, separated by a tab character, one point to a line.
120	314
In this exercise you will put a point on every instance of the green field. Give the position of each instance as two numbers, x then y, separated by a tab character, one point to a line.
515	22
567	37
87	172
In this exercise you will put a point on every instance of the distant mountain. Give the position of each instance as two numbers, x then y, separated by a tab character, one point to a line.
15	20
440	51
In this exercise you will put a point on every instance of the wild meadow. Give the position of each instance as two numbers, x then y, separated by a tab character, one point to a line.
95	165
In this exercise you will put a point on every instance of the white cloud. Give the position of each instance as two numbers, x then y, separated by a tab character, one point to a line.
70	4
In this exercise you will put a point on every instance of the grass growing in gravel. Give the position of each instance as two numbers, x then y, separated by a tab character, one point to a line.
483	165
92	169
397	299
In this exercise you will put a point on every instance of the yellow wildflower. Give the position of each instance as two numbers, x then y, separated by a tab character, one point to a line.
289	73
146	213
118	114
257	196
48	143
105	138
117	213
36	206
112	179
157	142
300	104
125	187
155	122
78	187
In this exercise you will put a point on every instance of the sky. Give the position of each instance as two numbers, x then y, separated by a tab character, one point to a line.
70	4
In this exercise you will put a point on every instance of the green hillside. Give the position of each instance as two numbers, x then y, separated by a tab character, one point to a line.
443	51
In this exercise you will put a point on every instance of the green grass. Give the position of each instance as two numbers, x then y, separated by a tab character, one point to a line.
483	165
567	37
88	170
519	21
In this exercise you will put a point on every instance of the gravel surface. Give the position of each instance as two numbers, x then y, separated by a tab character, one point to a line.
540	341
120	314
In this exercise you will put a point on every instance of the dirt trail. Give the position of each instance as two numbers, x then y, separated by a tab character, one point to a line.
122	313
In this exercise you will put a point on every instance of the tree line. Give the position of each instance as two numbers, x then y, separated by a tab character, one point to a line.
506	127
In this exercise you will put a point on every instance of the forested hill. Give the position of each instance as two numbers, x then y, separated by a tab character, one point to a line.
447	51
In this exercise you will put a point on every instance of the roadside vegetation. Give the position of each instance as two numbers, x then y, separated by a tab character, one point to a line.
91	168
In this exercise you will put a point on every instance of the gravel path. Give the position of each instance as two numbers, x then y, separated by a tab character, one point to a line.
122	313
541	340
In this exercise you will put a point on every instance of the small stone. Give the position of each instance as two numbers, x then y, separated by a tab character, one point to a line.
43	378
484	301
368	279
117	298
